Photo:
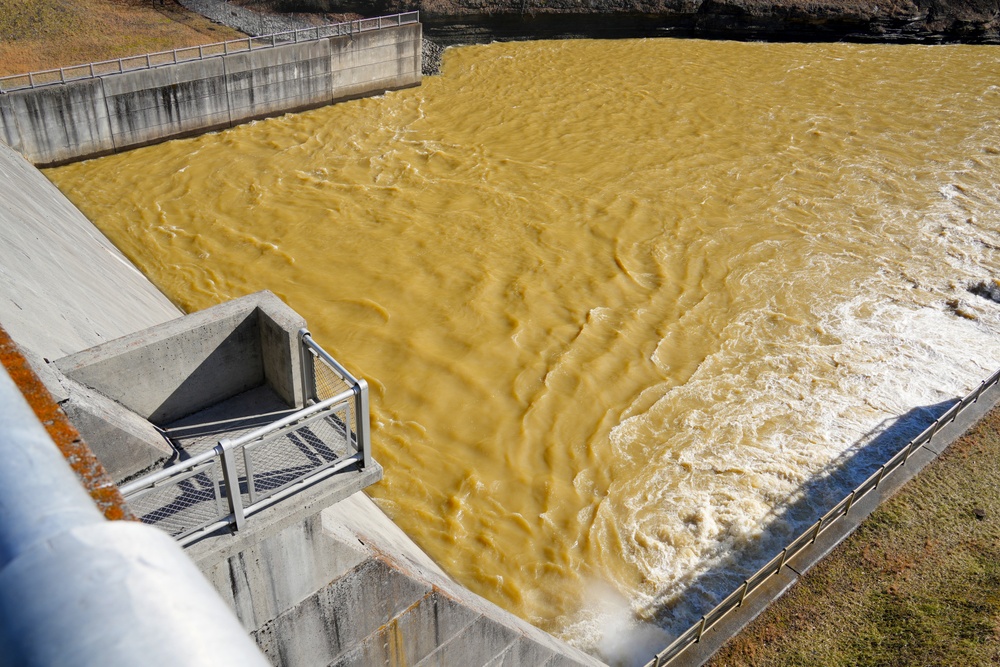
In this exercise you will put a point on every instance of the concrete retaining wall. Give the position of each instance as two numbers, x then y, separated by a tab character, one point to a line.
66	122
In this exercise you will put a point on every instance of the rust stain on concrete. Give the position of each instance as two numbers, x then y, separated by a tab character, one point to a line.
92	474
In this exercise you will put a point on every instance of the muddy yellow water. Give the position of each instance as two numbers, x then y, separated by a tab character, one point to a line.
622	304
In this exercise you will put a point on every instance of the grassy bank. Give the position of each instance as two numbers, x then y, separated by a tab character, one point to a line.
43	34
917	584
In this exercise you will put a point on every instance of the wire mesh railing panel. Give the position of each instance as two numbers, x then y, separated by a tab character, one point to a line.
184	503
288	456
329	383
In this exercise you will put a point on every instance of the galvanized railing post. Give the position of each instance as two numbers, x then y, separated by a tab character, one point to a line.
362	422
701	629
850	502
232	479
743	593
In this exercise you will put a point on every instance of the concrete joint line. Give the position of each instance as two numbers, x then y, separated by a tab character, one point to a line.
932	450
797	573
225	82
107	110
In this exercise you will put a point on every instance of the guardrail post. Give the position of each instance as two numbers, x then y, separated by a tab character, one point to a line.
31	80
656	660
91	70
201	53
62	75
819	523
743	593
701	629
362	423
850	502
232	478
308	373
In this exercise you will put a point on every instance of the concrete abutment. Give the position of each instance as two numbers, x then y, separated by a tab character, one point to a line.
65	122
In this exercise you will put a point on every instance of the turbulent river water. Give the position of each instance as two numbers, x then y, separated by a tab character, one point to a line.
634	312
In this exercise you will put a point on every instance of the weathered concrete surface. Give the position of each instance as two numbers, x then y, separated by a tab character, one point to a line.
347	587
47	247
124	443
64	122
178	367
85	464
121	394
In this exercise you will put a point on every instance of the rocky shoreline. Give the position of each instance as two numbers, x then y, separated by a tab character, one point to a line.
451	22
910	21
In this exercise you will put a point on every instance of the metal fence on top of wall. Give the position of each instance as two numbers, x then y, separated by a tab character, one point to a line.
736	599
51	77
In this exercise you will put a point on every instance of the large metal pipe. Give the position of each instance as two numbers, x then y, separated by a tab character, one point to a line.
78	590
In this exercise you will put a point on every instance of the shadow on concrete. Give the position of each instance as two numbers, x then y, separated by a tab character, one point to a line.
828	487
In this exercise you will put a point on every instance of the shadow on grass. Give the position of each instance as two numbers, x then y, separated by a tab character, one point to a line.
810	502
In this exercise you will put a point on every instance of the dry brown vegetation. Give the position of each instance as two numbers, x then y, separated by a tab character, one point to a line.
44	34
917	584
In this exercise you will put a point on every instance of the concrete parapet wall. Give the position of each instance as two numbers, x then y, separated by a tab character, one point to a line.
346	587
60	123
173	369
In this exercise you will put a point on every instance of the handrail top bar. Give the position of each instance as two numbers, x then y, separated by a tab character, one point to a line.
402	18
325	356
285	421
160	475
187	464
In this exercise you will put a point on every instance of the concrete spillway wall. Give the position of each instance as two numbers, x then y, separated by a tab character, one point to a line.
97	116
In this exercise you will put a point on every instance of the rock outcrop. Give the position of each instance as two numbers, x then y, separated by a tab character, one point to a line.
975	21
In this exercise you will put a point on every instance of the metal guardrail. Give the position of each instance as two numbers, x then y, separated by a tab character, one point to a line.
93	70
243	475
736	599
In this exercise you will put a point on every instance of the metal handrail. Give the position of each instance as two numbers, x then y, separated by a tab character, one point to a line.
228	451
736	598
161	58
